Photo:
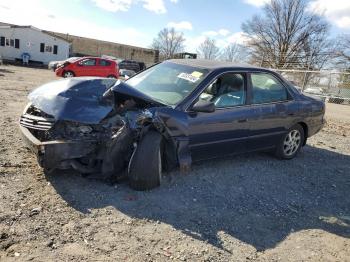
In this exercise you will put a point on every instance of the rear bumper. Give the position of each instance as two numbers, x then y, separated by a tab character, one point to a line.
316	127
52	154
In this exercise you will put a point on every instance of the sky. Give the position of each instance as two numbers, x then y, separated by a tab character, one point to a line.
137	22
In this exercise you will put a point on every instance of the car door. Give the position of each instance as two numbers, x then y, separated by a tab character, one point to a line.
225	130
86	67
273	110
104	68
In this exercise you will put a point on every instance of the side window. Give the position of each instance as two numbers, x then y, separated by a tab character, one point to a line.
104	63
266	89
226	91
88	62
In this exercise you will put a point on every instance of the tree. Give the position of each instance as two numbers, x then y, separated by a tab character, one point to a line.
342	53
168	42
288	35
208	49
234	53
342	58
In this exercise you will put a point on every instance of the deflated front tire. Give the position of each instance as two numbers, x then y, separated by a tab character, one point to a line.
145	169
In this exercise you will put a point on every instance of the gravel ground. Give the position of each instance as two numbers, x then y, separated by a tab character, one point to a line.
249	207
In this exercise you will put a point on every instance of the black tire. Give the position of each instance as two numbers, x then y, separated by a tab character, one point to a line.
68	74
286	149
111	76
145	168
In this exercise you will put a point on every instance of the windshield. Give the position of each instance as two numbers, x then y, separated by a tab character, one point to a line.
168	83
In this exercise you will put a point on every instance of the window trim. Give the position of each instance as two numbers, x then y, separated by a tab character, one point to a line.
289	96
104	60
246	88
81	62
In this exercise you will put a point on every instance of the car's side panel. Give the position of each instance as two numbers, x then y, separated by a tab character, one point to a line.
270	122
224	131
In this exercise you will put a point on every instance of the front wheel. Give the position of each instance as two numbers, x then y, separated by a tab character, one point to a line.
291	143
145	167
68	74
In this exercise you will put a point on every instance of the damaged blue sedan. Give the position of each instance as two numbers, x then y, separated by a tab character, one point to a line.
167	116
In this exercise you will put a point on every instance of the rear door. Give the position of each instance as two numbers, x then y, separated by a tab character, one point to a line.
273	110
105	68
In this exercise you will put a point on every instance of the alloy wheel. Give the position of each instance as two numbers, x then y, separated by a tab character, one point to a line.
291	142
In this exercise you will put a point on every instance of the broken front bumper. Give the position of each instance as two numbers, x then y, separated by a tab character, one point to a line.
51	154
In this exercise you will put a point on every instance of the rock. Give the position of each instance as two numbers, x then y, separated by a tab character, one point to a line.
35	211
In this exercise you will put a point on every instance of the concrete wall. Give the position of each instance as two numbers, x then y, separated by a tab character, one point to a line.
93	47
30	39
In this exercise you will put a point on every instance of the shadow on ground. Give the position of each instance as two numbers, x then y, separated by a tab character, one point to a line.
5	71
254	198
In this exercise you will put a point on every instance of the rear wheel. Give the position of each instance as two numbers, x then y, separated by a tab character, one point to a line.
290	144
145	168
68	74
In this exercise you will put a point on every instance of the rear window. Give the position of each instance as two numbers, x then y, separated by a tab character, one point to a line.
267	89
105	63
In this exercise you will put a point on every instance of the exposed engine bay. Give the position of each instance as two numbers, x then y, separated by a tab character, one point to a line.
96	132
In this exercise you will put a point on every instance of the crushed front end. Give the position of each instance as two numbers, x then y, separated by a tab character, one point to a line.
67	144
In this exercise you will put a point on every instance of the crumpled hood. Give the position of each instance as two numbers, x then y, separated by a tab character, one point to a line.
74	99
81	99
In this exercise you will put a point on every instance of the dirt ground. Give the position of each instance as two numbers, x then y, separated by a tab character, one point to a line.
249	207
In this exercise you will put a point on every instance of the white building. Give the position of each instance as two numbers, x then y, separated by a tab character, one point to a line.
42	46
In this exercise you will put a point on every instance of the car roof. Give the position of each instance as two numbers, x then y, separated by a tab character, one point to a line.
95	57
214	64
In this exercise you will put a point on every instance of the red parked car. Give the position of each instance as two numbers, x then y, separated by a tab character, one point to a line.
88	66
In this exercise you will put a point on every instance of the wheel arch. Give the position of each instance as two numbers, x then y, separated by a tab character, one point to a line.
306	131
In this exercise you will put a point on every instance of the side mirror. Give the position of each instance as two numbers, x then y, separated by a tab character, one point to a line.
203	106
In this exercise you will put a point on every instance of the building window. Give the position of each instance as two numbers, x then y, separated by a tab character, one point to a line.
2	41
17	43
48	48
55	49
9	42
42	47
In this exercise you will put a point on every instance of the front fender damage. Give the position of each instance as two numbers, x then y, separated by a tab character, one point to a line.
98	133
109	159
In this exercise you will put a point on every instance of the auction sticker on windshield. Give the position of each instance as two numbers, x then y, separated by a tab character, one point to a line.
189	77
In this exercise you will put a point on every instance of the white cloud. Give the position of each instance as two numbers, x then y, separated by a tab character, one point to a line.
336	11
222	41
257	3
224	32
114	5
183	25
221	32
21	13
192	43
156	6
238	38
